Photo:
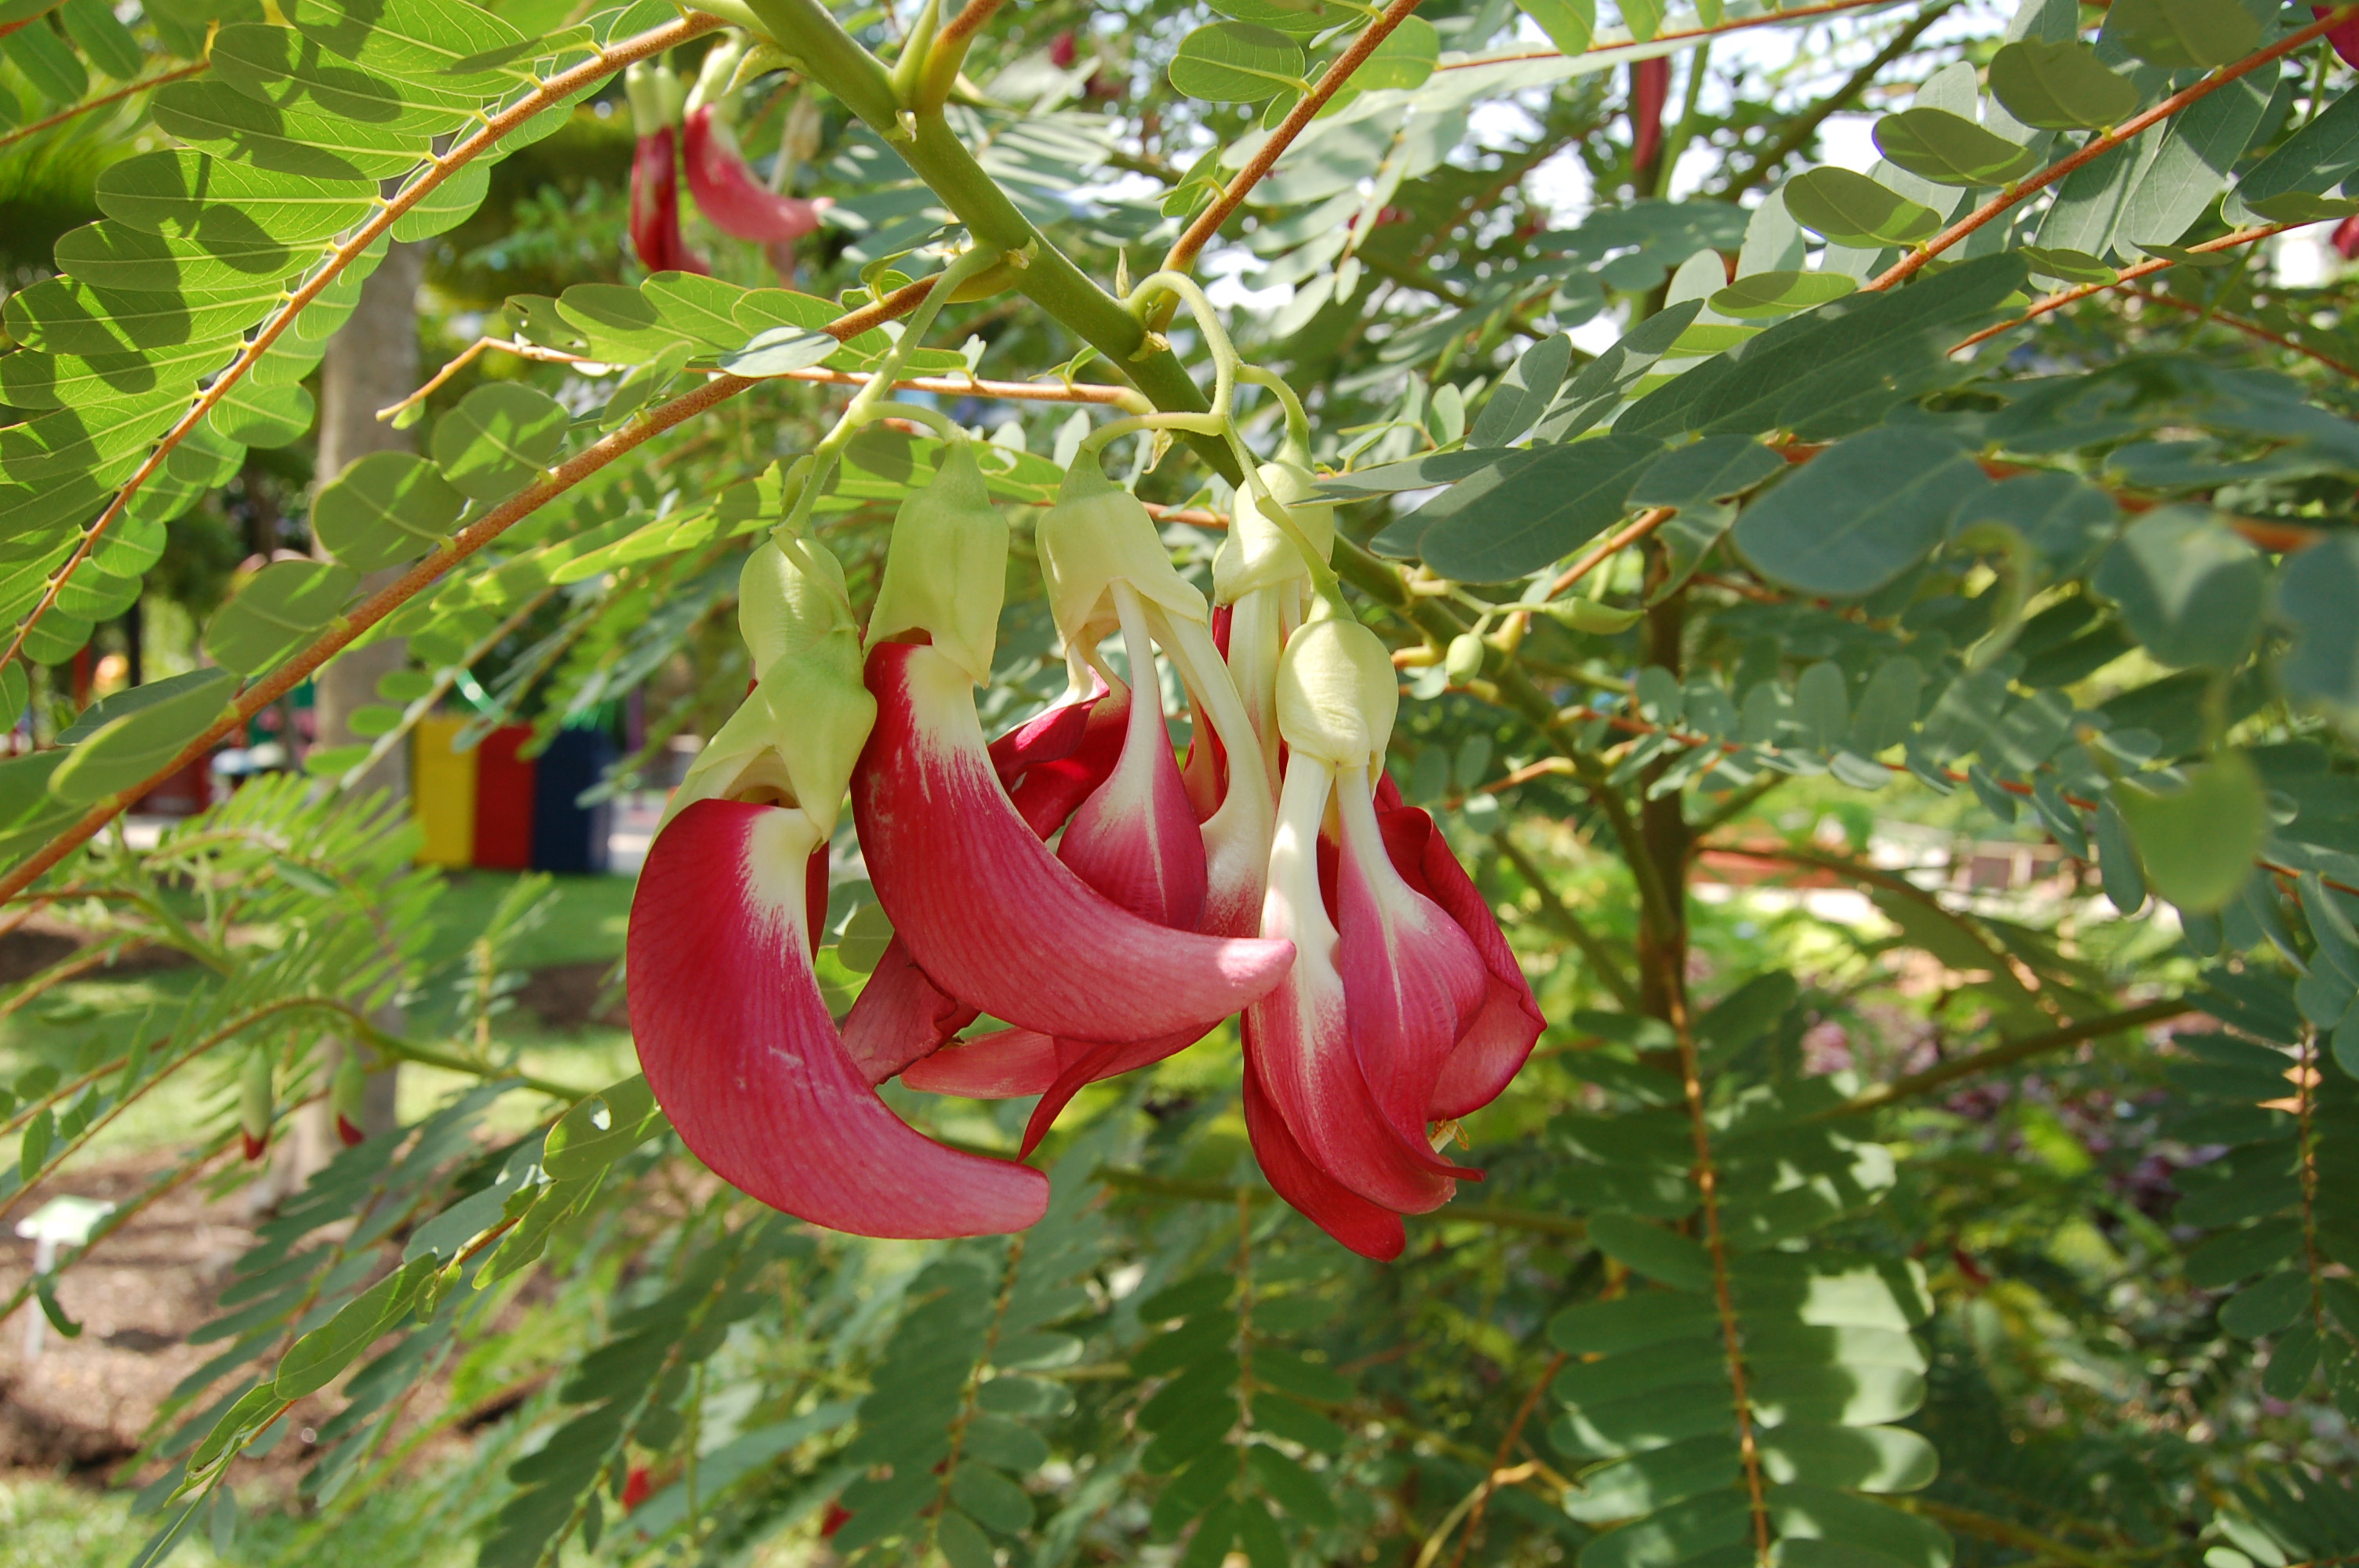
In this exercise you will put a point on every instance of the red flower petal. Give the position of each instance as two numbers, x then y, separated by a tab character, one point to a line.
901	1018
989	913
1002	1064
1370	1231
1412	980
1134	839
1495	1045
740	1054
729	196
1297	1038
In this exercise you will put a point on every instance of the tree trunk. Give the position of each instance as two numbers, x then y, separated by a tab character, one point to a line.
372	362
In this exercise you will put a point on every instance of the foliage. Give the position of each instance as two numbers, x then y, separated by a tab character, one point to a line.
1752	517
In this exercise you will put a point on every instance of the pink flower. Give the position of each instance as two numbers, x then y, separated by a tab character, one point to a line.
729	196
654	95
989	914
732	1030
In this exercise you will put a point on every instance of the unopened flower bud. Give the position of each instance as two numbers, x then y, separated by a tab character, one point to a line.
1258	552
1464	660
254	1103
347	1091
946	568
1337	694
1097	534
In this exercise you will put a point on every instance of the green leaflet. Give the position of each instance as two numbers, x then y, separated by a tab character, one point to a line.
75	443
1529	509
499	439
165	376
1852	210
136	738
254	415
105	41
47	62
2188	588
1522	394
1949	149
116	257
388	508
443	52
1858	514
281	67
448	205
308	142
2059	86
1235	62
2315	589
66	316
2315	157
1776	294
2190	168
2197	842
193	195
1570	23
282	607
2176	34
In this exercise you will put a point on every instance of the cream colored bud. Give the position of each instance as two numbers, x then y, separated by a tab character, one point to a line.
946	568
790	598
1337	694
1096	536
1258	553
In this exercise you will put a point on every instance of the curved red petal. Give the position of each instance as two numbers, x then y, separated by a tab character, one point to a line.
654	200
1136	840
738	1047
1499	1040
1050	766
1080	1066
1412	980
1298	1037
1370	1231
729	196
1003	1064
900	1017
990	914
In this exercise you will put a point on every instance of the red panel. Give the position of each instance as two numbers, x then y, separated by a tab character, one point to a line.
504	785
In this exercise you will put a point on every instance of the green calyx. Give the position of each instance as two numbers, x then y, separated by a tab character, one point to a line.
1258	552
1337	694
1096	536
794	739
946	570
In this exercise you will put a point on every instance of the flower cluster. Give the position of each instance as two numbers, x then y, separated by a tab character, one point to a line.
1109	903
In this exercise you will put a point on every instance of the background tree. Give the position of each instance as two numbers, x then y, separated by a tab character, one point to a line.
1860	499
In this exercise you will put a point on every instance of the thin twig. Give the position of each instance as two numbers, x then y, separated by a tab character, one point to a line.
1647	523
1208	222
101	102
2249	328
2079	292
2006	1054
2098	146
1499	1460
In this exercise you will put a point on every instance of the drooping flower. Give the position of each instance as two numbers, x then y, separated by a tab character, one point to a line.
986	910
1349	1047
1261	577
2346	232
1135	836
725	190
733	1031
1650	87
256	1107
654	94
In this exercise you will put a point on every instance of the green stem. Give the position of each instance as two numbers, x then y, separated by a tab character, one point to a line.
867	404
804	30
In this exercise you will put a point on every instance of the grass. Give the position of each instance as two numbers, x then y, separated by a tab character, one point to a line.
54	1524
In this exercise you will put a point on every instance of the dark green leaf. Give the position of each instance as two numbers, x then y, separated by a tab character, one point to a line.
388	508
1950	149
2059	86
2188	588
1235	62
285	605
137	738
1853	209
2197	842
1860	513
500	439
1516	518
2176	34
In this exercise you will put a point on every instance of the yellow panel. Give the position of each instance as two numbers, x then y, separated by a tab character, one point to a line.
442	793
